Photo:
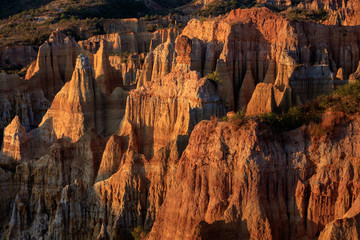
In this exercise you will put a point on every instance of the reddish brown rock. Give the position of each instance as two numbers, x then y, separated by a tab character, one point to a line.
131	42
262	101
247	88
287	189
16	56
163	109
111	158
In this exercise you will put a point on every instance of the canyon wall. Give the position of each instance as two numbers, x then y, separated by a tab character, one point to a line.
124	143
247	182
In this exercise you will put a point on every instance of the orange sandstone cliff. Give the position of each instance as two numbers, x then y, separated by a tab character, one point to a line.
100	144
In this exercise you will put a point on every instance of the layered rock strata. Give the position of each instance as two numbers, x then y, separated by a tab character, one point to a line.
245	182
79	104
19	56
161	110
55	63
302	56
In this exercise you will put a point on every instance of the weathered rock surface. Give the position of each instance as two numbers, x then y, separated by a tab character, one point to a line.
23	99
171	106
302	56
104	73
158	63
78	106
105	161
55	63
131	42
16	56
127	69
56	182
245	182
16	143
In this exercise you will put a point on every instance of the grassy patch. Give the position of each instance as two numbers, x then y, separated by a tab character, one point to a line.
307	15
343	101
214	78
239	118
221	7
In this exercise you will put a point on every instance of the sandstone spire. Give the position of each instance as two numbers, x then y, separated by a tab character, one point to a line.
270	76
15	140
78	105
340	74
247	87
104	74
263	100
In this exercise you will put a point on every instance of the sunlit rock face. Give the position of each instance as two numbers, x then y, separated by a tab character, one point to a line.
55	63
15	140
136	142
78	105
245	49
248	182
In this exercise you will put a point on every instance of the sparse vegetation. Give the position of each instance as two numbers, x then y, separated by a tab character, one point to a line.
238	118
343	101
214	78
220	7
138	233
307	15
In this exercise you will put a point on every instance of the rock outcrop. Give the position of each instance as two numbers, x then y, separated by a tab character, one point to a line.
247	182
23	99
55	63
171	106
127	69
108	159
104	73
16	144
16	56
78	106
278	51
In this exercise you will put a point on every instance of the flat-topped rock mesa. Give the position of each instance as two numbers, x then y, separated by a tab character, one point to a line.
142	25
131	42
55	63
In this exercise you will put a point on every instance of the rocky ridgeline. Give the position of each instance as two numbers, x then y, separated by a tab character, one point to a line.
123	143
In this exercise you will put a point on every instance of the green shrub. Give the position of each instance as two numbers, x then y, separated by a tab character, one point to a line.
138	233
345	99
214	78
307	15
152	28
